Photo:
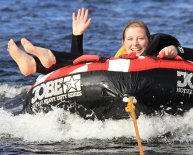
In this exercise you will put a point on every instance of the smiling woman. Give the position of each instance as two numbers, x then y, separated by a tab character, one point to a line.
136	37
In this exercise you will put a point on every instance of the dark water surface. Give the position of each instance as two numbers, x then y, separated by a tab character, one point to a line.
48	23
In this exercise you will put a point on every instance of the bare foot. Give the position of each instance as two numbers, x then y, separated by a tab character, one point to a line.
26	63
46	56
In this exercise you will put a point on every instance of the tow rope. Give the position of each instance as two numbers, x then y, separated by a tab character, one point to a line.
131	109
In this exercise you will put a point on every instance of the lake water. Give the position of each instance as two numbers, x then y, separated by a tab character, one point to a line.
48	23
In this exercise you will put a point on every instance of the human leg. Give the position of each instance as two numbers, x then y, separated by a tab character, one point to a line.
26	63
45	56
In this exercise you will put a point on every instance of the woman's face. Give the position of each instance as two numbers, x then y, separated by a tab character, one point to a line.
135	40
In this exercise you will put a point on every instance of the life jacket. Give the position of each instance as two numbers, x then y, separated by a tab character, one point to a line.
120	52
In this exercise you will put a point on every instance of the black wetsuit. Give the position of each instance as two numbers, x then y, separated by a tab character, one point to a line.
158	42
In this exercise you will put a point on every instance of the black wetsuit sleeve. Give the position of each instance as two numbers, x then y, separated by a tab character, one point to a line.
185	53
77	44
159	41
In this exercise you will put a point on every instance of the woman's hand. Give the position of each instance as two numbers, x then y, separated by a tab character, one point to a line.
168	52
80	22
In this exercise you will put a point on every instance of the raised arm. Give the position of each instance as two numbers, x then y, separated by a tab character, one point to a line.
80	23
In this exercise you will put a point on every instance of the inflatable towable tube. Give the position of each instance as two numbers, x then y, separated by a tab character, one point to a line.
96	89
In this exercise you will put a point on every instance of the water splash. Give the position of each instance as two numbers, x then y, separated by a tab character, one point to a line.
59	125
10	91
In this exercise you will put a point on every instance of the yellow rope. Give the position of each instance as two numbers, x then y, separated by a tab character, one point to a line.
131	108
